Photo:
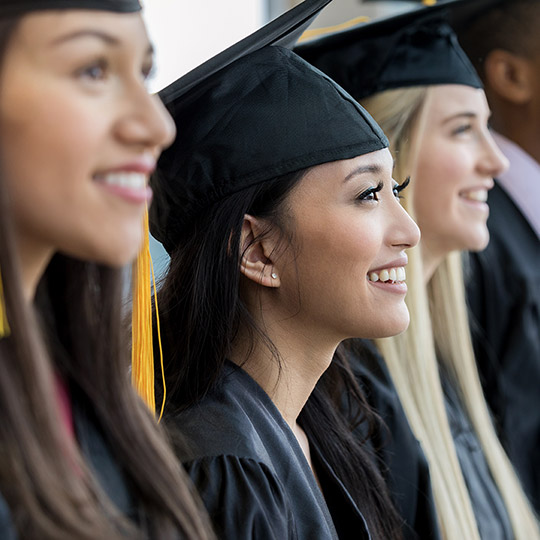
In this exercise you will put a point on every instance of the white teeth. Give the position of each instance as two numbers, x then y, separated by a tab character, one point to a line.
480	195
132	180
395	275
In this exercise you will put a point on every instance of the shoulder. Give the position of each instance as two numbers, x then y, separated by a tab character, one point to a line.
237	418
243	497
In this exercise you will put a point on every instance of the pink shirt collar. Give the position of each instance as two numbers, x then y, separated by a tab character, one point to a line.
521	181
64	402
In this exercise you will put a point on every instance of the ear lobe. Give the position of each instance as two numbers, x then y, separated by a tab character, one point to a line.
256	254
509	76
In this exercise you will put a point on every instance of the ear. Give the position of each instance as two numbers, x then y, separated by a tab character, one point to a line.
257	253
509	76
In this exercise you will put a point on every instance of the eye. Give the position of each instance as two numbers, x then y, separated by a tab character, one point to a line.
464	128
370	194
398	188
148	71
96	71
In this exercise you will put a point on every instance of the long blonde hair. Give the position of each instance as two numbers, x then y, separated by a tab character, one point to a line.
439	331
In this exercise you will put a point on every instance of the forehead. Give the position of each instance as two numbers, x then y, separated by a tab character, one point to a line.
453	99
43	28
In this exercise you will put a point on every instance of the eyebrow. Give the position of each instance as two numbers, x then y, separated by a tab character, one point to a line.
363	169
99	34
465	114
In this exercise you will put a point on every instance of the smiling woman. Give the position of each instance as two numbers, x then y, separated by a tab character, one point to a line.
79	136
288	205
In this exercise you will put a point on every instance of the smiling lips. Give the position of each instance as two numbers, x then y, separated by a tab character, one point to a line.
476	195
388	275
131	180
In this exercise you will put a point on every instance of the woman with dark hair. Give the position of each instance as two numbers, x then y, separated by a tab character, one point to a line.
276	204
81	456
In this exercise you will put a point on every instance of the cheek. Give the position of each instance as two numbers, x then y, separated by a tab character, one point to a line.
437	183
341	251
53	131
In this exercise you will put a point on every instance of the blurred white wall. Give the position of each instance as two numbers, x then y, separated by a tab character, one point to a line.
185	33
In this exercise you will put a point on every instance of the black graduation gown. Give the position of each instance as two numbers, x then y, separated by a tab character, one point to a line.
252	474
100	459
504	298
404	465
487	504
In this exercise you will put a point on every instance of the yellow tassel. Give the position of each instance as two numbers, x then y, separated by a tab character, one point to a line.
4	325
142	355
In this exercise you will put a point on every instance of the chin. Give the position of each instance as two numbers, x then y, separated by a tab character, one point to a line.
390	326
116	256
478	242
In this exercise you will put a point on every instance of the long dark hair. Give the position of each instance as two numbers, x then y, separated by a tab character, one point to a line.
74	329
201	312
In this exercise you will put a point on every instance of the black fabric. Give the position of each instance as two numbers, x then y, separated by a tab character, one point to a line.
504	298
487	504
20	7
7	530
101	461
400	456
266	115
252	474
415	49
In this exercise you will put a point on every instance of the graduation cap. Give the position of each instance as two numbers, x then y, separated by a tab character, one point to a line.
19	7
415	48
252	113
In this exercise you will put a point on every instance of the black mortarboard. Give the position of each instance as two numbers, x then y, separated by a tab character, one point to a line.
415	48
19	7
249	115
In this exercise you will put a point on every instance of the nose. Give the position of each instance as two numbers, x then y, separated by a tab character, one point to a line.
403	231
493	162
146	122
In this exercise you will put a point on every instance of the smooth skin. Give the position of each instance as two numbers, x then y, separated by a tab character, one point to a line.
74	108
457	161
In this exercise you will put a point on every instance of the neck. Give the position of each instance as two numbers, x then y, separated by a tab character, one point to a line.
34	259
290	379
430	262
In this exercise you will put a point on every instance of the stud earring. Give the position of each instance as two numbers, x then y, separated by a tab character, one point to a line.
274	275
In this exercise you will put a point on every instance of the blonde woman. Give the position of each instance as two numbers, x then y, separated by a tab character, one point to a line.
417	83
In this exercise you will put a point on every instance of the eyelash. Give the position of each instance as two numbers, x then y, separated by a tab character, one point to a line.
368	192
88	72
365	195
462	129
400	187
